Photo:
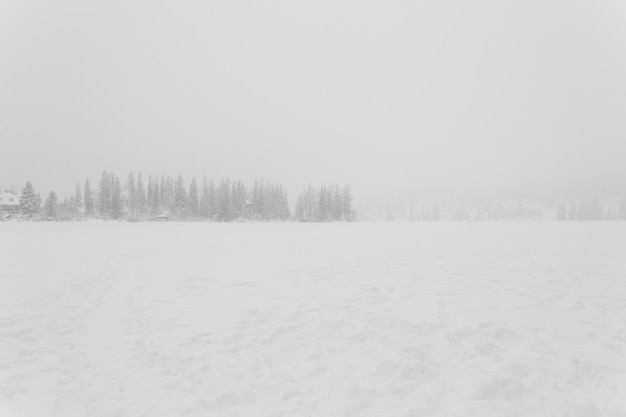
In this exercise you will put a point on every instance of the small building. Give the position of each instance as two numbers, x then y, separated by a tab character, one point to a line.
249	209
161	217
9	204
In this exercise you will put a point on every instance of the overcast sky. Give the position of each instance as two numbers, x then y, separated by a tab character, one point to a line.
423	95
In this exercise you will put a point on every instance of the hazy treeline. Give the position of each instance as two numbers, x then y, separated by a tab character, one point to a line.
592	209
540	209
140	198
328	203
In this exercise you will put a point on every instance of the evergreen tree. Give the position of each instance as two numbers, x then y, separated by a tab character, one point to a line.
338	213
347	203
181	202
561	212
300	208
224	213
573	214
131	195
194	198
30	203
205	204
88	199
155	202
78	199
435	213
212	200
257	200
140	196
116	198
51	206
105	192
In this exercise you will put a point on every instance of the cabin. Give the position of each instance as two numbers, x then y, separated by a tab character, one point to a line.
9	204
249	209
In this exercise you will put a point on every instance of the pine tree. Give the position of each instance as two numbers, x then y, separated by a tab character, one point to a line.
561	212
347	203
224	213
155	201
212	200
435	213
194	199
181	202
51	206
78	199
131	195
205	204
338	213
300	208
30	203
88	199
140	196
116	198
105	192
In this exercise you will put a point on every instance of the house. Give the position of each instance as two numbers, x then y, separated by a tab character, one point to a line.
9	204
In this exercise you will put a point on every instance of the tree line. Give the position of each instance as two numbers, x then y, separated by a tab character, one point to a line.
140	198
328	203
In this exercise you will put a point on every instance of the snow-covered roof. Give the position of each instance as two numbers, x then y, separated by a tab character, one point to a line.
9	199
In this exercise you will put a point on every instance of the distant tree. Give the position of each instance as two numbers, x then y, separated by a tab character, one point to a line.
204	209
105	193
347	203
116	198
140	196
301	208
51	206
561	212
88	199
338	213
131	194
30	203
181	201
155	200
212	200
194	198
224	212
77	199
573	214
435	214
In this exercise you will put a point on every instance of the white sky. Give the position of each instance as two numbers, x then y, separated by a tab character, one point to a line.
423	95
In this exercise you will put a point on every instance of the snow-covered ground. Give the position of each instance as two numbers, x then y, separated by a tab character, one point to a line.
364	319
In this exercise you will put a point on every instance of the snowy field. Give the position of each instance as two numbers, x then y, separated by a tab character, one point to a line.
364	319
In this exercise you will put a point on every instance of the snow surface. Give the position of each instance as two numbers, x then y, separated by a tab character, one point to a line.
363	319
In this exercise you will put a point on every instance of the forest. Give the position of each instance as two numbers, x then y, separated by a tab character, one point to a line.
162	197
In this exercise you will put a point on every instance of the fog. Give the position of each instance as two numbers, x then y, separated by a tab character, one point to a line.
447	96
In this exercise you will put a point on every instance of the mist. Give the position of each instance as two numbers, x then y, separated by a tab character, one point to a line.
393	97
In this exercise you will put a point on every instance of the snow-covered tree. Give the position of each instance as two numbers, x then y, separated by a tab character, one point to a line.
104	195
50	207
181	200
207	201
194	198
116	198
88	199
30	203
347	203
224	212
140	196
77	200
131	195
